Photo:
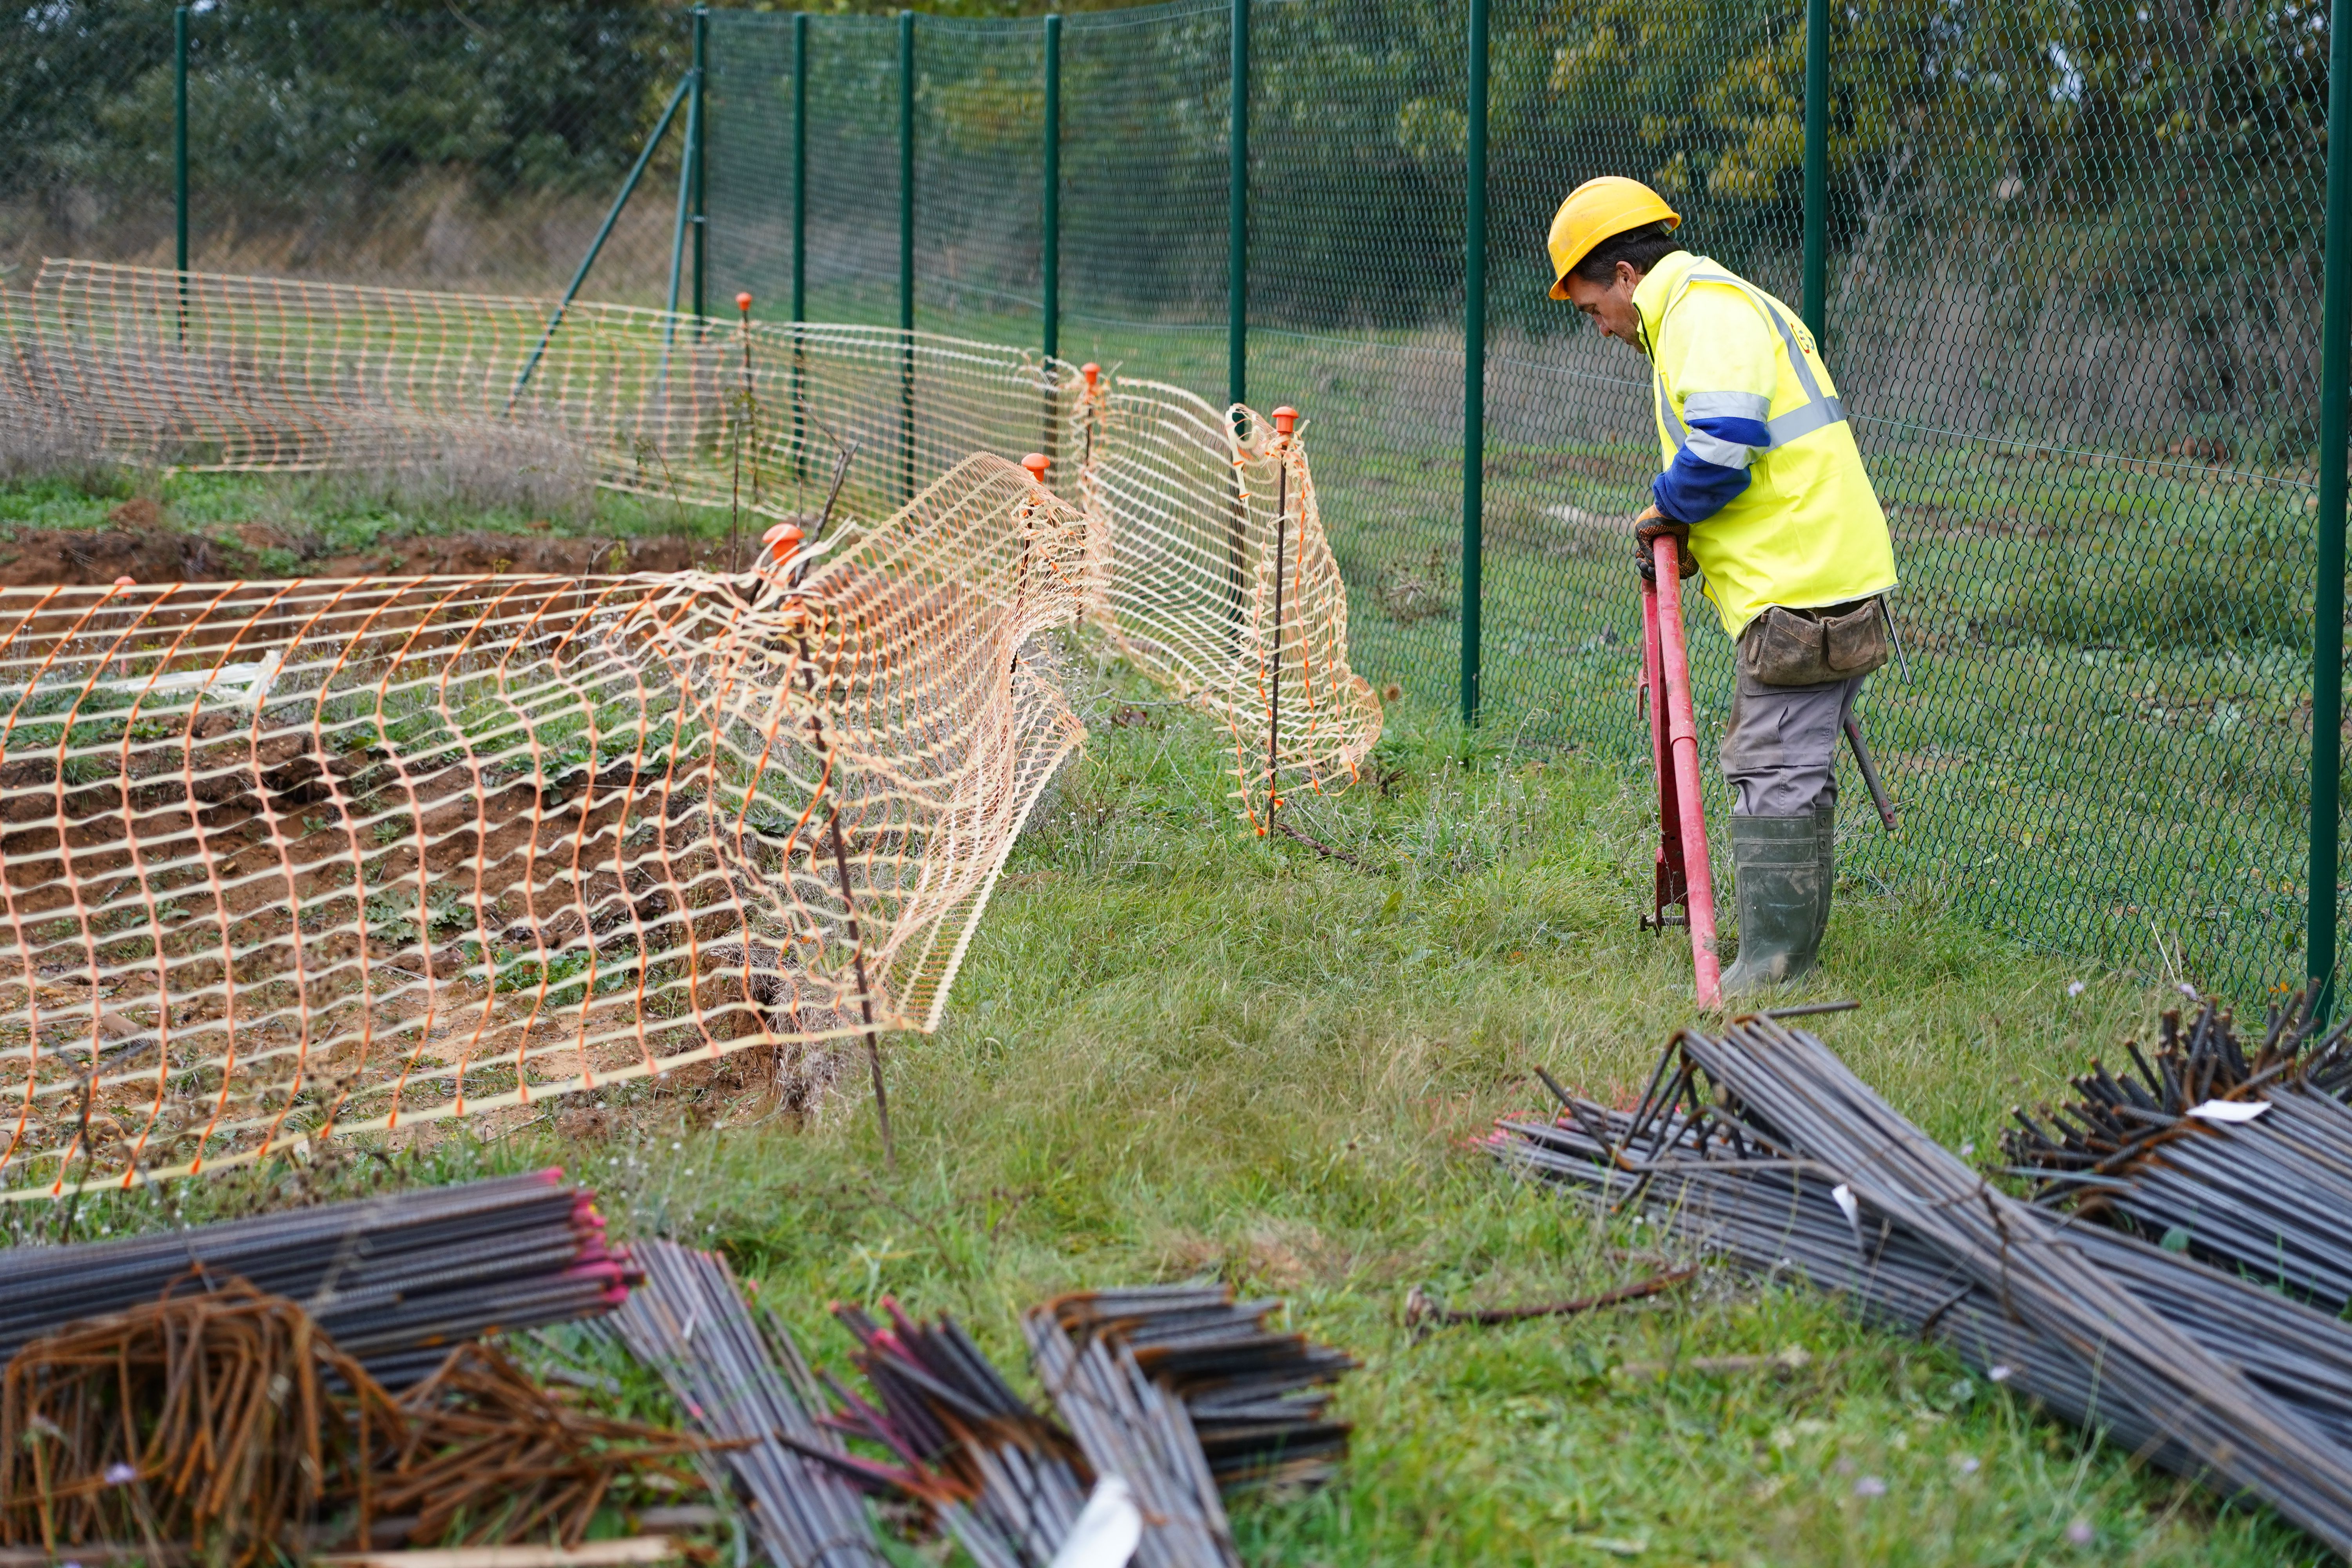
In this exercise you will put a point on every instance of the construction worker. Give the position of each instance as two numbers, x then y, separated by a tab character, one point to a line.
1763	491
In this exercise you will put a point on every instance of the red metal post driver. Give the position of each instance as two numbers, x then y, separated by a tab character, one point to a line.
1682	877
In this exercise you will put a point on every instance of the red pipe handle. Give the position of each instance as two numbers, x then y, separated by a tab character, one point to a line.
1682	733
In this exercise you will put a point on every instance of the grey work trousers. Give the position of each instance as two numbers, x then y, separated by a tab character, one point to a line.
1780	746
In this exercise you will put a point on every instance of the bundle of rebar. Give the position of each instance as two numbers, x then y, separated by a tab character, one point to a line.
1258	1399
1004	1481
1132	1427
396	1280
688	1321
488	1456
204	1421
1778	1218
1761	1142
2240	1157
228	1425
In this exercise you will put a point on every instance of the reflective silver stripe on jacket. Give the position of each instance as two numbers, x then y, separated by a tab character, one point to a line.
1819	412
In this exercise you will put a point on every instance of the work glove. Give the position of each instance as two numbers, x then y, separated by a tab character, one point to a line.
1652	525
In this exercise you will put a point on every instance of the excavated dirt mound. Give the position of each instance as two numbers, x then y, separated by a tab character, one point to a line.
38	557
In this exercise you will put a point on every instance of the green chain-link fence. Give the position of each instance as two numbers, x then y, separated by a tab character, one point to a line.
2070	286
461	146
2069	282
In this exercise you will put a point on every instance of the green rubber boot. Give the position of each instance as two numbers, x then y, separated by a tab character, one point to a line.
1783	904
1825	835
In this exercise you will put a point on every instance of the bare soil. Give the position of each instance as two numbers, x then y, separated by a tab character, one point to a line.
139	547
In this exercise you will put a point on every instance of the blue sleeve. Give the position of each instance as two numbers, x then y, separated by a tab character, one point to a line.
1712	467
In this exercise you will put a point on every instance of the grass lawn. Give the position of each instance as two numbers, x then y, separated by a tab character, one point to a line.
1179	1049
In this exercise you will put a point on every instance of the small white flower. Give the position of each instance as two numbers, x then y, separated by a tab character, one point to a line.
120	1474
2076	989
1869	1486
2081	1533
2001	1373
1968	1465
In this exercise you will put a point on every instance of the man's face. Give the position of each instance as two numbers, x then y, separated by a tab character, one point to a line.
1610	308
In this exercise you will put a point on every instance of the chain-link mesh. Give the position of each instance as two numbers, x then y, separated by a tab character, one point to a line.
2072	304
1144	96
474	146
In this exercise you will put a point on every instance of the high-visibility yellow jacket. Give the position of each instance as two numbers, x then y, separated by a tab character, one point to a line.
1759	457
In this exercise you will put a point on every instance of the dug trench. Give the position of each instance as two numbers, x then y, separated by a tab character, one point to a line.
138	544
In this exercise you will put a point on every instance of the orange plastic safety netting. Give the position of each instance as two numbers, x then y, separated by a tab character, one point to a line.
289	858
197	371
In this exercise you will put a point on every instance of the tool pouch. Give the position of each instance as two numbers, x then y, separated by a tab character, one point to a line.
1812	647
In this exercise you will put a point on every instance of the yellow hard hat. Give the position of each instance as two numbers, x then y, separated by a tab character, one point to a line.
1595	210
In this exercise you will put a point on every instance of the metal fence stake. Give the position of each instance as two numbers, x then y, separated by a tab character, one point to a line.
2327	588
1237	215
1474	363
865	996
1817	169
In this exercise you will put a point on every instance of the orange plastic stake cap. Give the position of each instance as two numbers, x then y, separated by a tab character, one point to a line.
1036	463
786	538
743	301
1285	419
126	582
1090	371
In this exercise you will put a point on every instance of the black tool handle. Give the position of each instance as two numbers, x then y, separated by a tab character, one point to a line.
1870	773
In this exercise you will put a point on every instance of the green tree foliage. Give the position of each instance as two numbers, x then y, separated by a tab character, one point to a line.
301	106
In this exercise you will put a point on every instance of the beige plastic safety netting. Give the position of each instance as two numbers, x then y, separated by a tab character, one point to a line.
288	858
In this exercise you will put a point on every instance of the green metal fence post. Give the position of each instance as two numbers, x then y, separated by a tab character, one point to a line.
800	165
684	189
1049	260
1817	167
1237	216
180	138
1474	361
1049	248
906	171
180	158
701	36
2327	588
906	251
800	240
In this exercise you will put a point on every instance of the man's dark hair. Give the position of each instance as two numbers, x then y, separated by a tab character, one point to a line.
1644	247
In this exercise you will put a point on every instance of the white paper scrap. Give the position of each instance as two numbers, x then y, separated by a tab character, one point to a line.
2229	1110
